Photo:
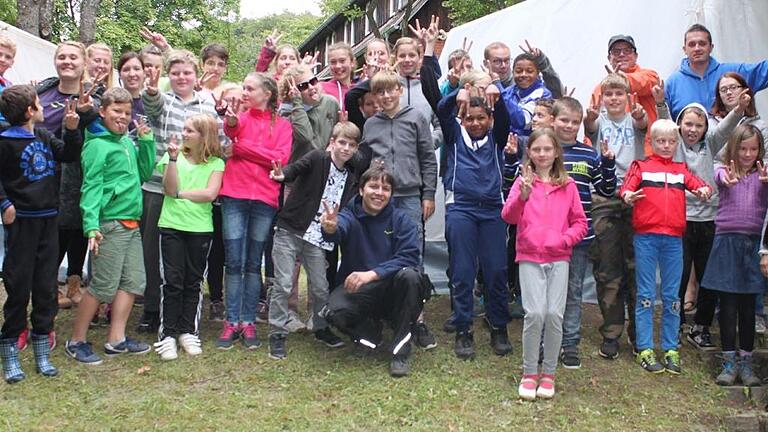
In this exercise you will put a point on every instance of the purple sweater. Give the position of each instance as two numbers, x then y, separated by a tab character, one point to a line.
742	206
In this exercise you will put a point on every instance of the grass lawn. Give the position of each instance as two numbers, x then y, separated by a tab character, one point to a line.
317	388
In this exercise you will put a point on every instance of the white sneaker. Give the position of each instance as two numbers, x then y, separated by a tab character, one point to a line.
759	324
294	323
191	344
167	348
310	324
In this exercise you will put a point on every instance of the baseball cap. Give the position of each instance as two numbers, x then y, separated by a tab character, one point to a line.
621	38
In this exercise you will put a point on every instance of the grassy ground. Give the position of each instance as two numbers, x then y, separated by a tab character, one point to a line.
316	388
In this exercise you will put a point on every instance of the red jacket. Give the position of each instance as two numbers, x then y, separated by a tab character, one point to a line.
664	182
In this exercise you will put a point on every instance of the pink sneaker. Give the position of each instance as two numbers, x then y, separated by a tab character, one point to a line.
527	388
229	334
546	388
248	334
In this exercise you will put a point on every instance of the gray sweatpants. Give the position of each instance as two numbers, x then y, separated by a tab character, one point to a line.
544	288
286	248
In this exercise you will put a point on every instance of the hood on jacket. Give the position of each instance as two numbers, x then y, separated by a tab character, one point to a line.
356	206
685	68
97	130
680	119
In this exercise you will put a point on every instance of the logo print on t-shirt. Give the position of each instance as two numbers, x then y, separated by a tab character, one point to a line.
37	161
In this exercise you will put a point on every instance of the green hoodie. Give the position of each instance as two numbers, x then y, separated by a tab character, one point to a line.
113	170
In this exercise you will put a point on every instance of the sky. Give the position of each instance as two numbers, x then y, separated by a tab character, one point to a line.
260	8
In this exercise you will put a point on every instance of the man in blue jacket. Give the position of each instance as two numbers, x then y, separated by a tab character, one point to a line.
697	77
379	269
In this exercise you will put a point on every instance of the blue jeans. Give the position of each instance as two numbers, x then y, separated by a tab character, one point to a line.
246	224
666	252
572	315
411	205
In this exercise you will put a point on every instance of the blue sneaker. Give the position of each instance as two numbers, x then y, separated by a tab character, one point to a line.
127	346
82	352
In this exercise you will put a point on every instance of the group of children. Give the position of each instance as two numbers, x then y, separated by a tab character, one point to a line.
160	160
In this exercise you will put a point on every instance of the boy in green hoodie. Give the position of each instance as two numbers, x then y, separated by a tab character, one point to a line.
113	170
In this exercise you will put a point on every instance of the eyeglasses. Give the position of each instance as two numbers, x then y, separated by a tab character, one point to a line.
620	51
730	89
499	62
305	85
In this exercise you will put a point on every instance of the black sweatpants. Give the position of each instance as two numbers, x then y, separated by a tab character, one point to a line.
697	244
737	310
398	299
150	240
216	259
73	243
184	257
30	270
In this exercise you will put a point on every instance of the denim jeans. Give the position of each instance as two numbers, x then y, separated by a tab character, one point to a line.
572	316
411	205
666	252
246	224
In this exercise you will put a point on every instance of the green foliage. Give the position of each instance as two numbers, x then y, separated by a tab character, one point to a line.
8	11
464	11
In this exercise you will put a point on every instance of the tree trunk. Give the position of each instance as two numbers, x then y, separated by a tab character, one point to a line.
88	10
372	19
46	19
28	16
404	30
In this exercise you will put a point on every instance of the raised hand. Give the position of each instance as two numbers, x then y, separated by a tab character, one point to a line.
630	197
637	110
311	60
233	109
527	178
343	116
703	193
71	118
152	82
220	104
155	38
142	128
293	91
567	93
731	177
658	92
762	171
462	101
93	242
200	83
609	70
494	76
84	100
744	100
329	219
466	46
492	95
419	32
605	150
533	51
593	110
277	171
454	73
272	40
173	147
511	147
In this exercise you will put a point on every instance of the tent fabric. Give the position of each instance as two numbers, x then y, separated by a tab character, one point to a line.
34	56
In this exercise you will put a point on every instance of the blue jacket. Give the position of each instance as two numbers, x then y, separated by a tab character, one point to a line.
684	86
474	167
385	243
520	104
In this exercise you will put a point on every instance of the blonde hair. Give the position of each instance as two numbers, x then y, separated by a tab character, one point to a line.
208	128
181	56
7	42
405	41
558	175
226	87
282	48
292	73
384	80
346	129
615	80
80	47
664	127
472	77
740	134
343	46
103	47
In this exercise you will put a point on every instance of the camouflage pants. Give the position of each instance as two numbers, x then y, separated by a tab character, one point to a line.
613	259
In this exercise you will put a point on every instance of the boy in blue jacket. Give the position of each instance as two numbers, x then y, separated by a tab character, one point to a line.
379	269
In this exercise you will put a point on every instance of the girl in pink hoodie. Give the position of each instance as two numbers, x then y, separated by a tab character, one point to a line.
249	201
544	204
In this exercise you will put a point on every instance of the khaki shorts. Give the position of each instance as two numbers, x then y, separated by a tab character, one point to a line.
119	264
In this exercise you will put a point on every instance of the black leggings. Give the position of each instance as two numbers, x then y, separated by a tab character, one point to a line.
216	259
737	309
73	243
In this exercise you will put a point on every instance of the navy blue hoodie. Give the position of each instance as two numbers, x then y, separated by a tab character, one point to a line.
385	243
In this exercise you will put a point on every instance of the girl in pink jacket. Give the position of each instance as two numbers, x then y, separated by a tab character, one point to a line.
544	204
249	201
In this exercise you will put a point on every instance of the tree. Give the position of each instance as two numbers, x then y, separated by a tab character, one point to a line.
464	11
35	17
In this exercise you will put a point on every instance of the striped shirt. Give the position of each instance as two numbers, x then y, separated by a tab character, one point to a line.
587	168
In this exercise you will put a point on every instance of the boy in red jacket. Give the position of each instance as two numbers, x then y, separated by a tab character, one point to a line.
656	187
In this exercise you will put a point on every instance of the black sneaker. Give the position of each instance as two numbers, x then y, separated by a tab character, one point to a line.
609	349
400	366
700	339
464	348
449	326
216	312
423	337
329	338
150	321
500	341
277	347
569	357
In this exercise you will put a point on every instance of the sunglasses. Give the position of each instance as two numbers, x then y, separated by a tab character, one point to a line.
305	85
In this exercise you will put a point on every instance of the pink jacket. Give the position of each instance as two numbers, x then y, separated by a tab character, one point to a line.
257	141
549	224
336	89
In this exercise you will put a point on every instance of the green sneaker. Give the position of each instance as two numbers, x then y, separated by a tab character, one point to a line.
672	362
647	359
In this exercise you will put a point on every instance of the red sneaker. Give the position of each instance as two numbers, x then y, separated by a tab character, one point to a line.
546	388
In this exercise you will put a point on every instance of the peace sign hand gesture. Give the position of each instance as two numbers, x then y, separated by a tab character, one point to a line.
568	93
277	171
142	128
526	181
703	193
151	85
293	91
511	147
310	60
233	109
492	95
343	116
71	118
731	177
744	100
605	150
637	110
630	197
155	38
531	50
173	147
462	101
658	92
200	83
329	218
593	110
762	171
272	40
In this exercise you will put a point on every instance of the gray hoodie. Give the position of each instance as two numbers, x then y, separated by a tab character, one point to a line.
404	144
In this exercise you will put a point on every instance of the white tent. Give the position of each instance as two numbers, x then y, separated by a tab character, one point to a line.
34	56
574	34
